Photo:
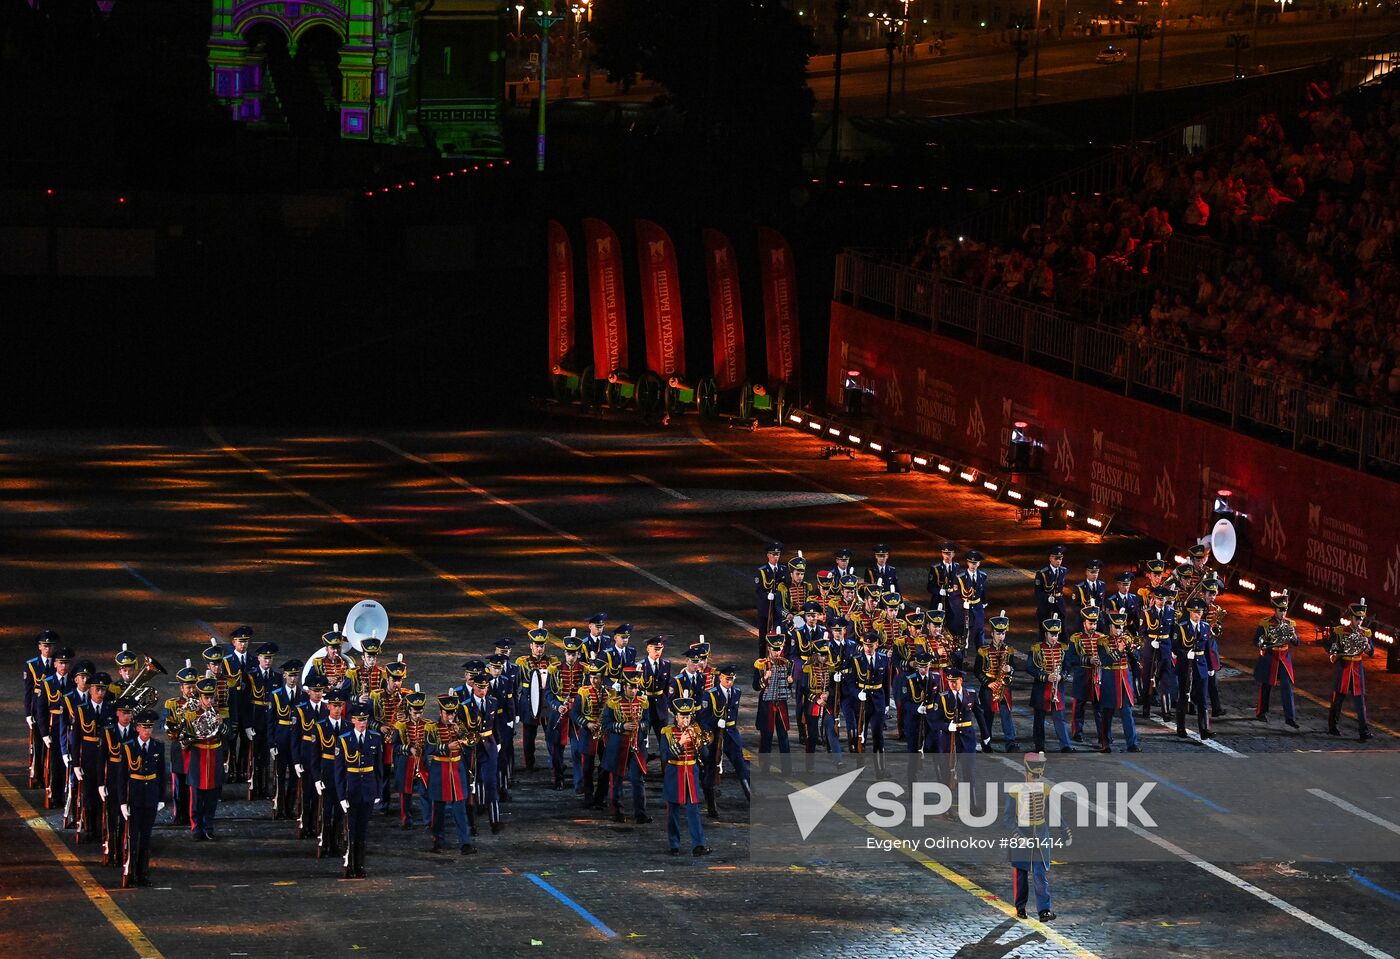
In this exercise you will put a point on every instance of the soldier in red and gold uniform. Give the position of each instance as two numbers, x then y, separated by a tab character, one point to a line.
206	746
535	671
794	592
410	762
567	679
682	744
386	706
1349	645
449	783
369	676
624	756
333	665
845	604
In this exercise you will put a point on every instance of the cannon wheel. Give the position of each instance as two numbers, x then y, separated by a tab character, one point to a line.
563	393
616	398
652	400
780	406
590	389
708	395
745	401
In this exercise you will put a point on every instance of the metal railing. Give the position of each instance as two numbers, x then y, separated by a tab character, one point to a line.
1277	408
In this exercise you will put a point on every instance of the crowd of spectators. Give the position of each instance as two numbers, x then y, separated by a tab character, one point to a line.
1304	212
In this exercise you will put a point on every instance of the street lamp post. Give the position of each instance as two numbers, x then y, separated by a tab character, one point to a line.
890	26
1035	62
1019	45
842	10
519	13
904	53
544	19
1143	31
576	45
1240	42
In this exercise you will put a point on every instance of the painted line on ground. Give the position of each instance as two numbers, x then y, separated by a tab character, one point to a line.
1373	886
566	447
673	493
592	919
78	872
750	531
140	578
389	546
1225	875
1355	810
564	534
1157	777
1195	737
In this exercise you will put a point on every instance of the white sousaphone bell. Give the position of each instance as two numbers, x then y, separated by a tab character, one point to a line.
366	619
1221	541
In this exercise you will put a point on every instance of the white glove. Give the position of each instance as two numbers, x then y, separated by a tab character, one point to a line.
67	759
48	741
78	773
770	597
861	695
251	733
272	752
320	788
1156	644
967	604
836	676
617	688
345	804
511	724
499	746
300	771
377	800
102	791
160	806
952	727
923	710
1191	655
722	723
1211	673
126	811
942	592
30	721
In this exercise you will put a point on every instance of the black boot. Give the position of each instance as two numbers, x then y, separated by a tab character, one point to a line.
710	809
359	860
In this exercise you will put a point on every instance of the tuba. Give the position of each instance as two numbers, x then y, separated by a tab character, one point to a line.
140	690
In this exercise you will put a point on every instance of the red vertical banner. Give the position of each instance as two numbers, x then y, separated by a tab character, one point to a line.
606	297
661	300
779	276
561	296
726	310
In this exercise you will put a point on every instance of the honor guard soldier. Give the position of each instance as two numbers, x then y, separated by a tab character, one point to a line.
766	581
260	681
1193	657
971	598
205	742
1215	619
328	732
502	689
1045	666
802	638
654	674
48	720
1124	600
794	591
596	639
535	671
1275	637
308	754
1157	680
943	581
881	572
956	725
586	737
821	693
841	565
682	744
386	706
113	738
1082	663
690	682
283	736
867	695
1050	585
76	697
619	655
485	720
242	733
89	759
139	789
359	771
411	760
996	664
1117	661
773	681
178	711
919	691
565	683
32	677
624	756
1028	816
368	677
333	665
720	717
448	782
1089	591
1349	645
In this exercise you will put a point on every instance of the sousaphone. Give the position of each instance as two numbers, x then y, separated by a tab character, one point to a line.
366	619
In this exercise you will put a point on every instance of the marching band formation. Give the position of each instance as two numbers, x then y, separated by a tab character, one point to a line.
328	741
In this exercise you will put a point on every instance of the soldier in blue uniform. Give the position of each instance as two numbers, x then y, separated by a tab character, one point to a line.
1045	664
1124	600
1089	591
113	736
882	571
139	787
1348	646
942	584
328	732
841	566
505	691
689	683
920	691
282	736
1117	657
624	756
260	681
1157	680
719	716
240	705
47	713
866	695
484	719
618	656
596	639
1275	637
1050	585
766	580
82	672
1193	655
970	599
31	678
955	723
89	759
654	673
309	714
534	671
682	746
359	770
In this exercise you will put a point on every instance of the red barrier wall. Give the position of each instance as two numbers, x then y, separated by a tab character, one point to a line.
1326	529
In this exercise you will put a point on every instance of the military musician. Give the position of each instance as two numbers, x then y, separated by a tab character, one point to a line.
1082	664
205	739
1350	644
1275	637
449	783
682	745
773	681
411	760
565	682
1116	658
535	670
586	737
624	756
820	694
996	664
1045	664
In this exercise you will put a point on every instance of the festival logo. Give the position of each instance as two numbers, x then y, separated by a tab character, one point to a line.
1164	497
976	427
1098	442
1274	538
1392	574
1064	456
894	396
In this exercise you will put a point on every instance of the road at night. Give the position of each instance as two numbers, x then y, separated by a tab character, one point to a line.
155	539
